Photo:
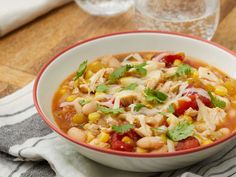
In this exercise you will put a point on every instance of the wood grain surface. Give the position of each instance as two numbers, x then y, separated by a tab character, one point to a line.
25	50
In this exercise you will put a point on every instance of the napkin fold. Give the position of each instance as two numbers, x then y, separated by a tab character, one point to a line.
15	13
29	148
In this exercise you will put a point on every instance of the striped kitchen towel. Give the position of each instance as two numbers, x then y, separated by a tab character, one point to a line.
29	148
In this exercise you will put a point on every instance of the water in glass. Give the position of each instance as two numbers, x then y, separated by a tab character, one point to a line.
105	7
196	17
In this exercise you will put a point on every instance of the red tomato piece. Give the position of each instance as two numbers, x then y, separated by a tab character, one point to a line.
121	146
188	143
165	123
116	137
133	135
169	59
184	105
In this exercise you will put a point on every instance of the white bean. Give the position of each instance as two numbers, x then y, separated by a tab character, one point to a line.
150	142
89	108
225	131
163	149
77	134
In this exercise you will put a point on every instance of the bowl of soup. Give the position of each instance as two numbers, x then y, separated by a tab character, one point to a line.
141	101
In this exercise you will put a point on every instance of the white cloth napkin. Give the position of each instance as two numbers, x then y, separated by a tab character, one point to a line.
25	141
15	13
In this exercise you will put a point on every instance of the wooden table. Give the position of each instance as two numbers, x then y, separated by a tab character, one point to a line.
24	51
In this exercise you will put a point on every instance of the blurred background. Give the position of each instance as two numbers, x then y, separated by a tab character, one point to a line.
34	31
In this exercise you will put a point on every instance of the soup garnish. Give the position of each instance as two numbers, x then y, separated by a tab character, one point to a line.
146	102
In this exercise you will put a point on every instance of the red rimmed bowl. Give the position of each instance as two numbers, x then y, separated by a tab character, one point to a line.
66	62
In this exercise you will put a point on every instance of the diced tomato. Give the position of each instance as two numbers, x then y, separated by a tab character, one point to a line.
133	135
205	100
165	123
121	146
116	137
184	105
169	59
188	143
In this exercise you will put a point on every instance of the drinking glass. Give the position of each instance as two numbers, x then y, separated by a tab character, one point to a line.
105	7
195	17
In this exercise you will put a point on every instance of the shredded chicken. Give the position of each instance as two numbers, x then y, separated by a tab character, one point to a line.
206	75
144	129
213	117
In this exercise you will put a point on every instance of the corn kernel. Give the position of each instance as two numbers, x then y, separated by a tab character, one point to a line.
221	90
62	91
230	85
177	62
70	98
195	74
141	150
88	74
127	140
148	56
78	118
210	87
96	66
206	142
86	126
188	118
164	138
83	89
103	137
98	94
90	136
94	117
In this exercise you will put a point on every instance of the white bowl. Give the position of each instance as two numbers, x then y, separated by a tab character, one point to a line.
66	62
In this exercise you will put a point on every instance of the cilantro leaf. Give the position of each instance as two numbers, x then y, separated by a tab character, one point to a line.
84	102
183	69
131	86
183	130
171	108
106	110
118	73
138	106
140	69
82	68
102	88
216	102
121	129
155	95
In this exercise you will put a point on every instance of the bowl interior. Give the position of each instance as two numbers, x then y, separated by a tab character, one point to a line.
69	60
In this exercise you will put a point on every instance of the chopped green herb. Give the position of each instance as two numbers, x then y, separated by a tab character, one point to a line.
121	129
140	69
131	86
183	130
84	102
138	106
183	69
102	88
155	95
171	108
106	110
118	73
82	68
216	102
